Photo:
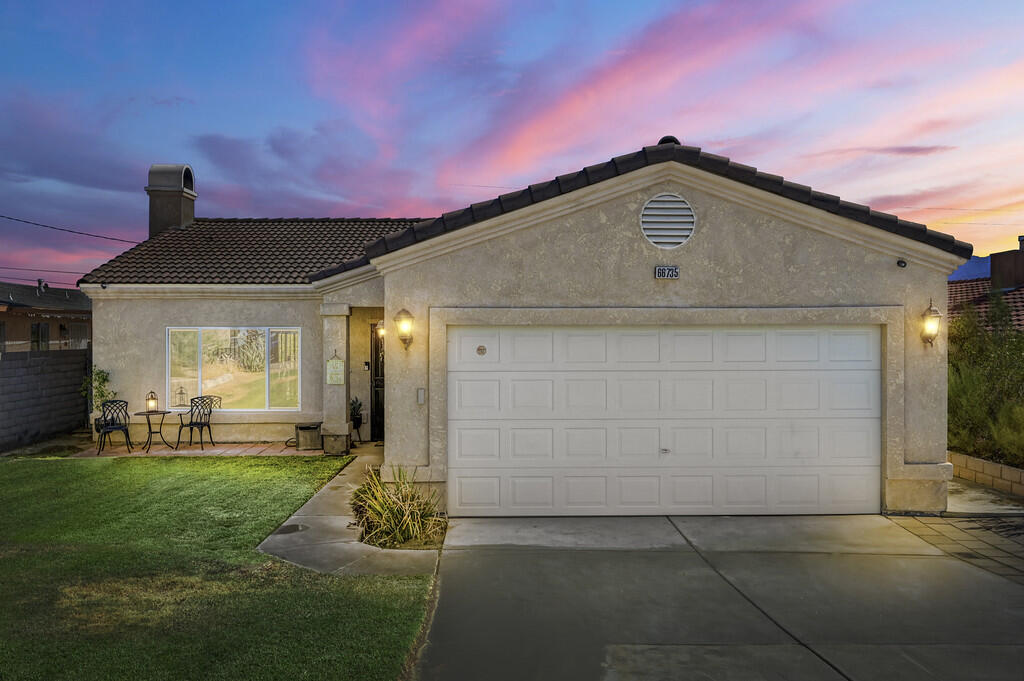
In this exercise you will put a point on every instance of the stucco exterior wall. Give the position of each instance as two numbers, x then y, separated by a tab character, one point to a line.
738	257
130	342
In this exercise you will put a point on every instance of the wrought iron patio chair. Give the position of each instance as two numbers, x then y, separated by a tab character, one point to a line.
114	418
199	413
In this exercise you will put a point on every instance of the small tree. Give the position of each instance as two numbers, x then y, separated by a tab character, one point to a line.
96	388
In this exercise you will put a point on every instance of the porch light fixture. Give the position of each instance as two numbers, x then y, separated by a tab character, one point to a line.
379	326
152	404
403	320
930	324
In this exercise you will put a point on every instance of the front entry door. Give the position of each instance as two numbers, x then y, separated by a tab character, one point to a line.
376	385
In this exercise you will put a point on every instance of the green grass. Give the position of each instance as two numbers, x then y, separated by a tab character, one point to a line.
130	568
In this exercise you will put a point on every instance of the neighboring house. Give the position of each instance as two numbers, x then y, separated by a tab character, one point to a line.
665	332
1006	277
40	318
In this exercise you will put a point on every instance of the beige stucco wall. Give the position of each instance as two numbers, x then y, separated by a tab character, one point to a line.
739	257
129	342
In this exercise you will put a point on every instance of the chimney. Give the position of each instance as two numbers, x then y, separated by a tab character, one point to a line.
1008	267
172	197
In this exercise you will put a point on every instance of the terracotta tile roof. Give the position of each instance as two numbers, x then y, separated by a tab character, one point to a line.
300	250
27	295
245	251
975	292
668	150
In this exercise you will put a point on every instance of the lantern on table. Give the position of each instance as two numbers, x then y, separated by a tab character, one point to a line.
152	404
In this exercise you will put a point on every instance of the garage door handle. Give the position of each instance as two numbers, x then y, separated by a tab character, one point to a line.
664	451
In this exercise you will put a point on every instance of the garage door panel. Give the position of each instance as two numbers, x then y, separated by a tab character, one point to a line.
630	442
597	421
646	491
666	394
704	349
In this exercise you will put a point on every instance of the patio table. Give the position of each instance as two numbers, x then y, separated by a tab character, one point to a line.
149	427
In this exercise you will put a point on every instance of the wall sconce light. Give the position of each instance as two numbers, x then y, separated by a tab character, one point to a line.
403	320
152	404
379	327
930	324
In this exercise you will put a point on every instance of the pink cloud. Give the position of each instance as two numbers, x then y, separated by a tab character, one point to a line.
651	71
371	77
982	95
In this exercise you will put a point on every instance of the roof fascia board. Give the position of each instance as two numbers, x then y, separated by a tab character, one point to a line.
865	236
347	279
192	291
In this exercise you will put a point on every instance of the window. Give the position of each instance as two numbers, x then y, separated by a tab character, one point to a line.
79	336
65	337
250	368
40	336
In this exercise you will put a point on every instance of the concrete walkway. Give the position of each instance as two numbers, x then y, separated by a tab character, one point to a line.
322	536
799	598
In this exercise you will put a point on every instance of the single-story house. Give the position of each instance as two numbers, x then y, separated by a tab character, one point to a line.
1006	278
664	332
39	318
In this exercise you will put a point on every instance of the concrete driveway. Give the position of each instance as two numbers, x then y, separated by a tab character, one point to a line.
730	598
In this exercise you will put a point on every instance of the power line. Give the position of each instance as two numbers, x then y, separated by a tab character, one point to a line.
32	269
992	224
62	283
970	210
70	231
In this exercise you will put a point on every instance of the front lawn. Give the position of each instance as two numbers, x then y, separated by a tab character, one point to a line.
145	568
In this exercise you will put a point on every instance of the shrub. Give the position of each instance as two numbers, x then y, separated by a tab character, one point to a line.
393	513
96	389
1008	433
986	384
969	409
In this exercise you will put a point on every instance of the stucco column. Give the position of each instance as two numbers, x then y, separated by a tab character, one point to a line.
336	426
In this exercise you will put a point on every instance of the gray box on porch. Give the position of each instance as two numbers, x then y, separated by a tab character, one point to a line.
307	436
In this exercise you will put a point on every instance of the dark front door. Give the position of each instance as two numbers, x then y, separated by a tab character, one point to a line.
376	385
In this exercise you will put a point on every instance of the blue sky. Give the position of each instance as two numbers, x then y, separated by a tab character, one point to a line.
409	109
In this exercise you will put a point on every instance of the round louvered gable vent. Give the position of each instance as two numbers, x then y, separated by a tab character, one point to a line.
667	220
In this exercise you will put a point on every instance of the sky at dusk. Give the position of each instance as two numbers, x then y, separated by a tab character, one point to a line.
411	109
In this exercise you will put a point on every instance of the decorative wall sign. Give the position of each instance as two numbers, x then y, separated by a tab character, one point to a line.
335	370
666	272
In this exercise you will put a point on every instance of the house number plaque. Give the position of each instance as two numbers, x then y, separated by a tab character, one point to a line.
666	272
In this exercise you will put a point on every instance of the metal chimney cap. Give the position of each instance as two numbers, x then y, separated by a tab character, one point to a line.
172	177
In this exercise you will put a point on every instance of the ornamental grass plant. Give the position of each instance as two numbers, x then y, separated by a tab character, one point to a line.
397	513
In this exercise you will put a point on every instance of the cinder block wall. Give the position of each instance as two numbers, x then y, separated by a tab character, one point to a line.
39	395
988	473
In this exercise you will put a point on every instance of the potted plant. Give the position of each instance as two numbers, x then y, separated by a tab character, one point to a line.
96	390
355	412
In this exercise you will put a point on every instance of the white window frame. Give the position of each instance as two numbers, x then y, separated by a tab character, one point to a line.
199	364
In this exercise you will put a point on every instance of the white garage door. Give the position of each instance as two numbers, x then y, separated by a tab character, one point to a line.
614	421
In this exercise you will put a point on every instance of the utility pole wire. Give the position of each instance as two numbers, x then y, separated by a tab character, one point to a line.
70	231
62	283
32	269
